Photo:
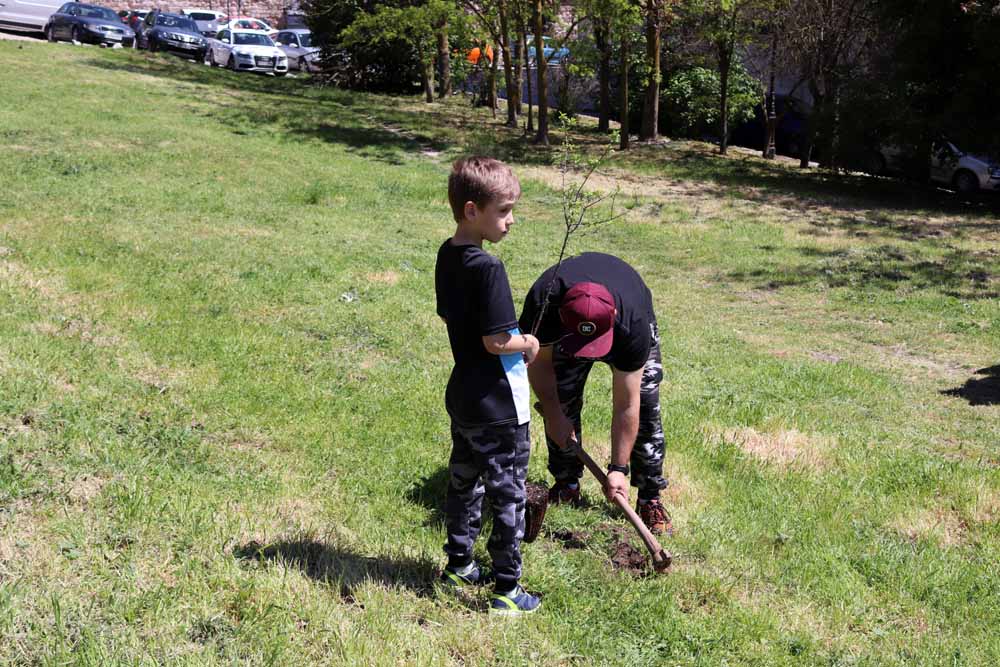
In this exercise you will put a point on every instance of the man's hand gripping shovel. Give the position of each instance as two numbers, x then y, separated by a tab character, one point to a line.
661	557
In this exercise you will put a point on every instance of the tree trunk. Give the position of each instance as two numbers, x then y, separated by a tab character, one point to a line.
527	76
770	112
725	56
444	60
428	78
604	77
543	89
623	140
810	136
494	66
508	75
651	105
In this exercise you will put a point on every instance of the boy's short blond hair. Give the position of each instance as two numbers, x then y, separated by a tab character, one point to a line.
480	180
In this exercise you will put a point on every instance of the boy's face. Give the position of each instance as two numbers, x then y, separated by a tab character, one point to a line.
494	220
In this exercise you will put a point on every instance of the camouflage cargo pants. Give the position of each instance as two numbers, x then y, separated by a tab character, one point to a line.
647	455
490	461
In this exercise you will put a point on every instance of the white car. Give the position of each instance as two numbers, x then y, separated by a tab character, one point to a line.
249	23
246	50
207	20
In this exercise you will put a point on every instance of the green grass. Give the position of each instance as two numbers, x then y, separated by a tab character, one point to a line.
222	432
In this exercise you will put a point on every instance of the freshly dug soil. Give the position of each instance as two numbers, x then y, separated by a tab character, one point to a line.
628	559
570	539
534	510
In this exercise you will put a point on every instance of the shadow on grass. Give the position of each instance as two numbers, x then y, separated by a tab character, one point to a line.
334	565
980	391
430	491
387	128
962	274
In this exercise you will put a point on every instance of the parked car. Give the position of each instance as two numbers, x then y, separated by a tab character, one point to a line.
27	15
135	19
292	19
298	46
172	32
248	23
207	20
552	55
92	24
949	166
246	50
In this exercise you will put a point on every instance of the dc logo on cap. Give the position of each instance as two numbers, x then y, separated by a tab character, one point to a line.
586	328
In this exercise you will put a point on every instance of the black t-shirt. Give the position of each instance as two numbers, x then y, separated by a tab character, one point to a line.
473	296
633	323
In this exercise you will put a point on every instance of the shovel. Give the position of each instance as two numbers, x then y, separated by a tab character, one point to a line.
661	557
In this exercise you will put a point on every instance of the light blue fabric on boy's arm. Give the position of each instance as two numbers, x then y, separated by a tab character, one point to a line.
517	377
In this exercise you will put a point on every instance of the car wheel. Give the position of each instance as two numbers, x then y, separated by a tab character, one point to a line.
965	181
48	34
232	63
208	58
74	35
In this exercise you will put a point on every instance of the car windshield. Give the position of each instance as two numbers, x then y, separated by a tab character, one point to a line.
250	25
177	22
202	16
252	39
305	39
98	13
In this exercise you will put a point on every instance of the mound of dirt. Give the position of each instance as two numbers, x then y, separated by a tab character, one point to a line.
628	559
571	539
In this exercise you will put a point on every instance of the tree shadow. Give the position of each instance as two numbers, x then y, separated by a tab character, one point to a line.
980	391
963	274
330	564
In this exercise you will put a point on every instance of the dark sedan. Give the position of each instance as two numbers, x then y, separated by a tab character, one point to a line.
172	32
78	22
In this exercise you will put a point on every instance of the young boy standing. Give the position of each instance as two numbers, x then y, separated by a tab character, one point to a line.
487	395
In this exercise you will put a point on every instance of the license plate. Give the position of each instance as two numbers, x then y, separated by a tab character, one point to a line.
265	61
185	45
114	38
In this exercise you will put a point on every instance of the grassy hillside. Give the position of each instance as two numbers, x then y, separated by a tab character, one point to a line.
222	432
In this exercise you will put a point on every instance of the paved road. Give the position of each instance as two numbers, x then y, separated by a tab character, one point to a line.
22	36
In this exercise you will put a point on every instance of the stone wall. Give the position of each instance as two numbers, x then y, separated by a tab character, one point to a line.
269	10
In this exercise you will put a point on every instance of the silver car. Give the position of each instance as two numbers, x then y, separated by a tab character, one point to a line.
27	15
298	46
207	20
949	166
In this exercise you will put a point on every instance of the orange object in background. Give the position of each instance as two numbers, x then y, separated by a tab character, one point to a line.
476	53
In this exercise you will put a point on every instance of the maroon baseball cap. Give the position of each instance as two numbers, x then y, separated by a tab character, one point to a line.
588	313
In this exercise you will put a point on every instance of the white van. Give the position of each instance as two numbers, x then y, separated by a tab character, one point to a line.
27	15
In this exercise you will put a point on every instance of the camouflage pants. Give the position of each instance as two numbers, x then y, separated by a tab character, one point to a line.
490	461
647	454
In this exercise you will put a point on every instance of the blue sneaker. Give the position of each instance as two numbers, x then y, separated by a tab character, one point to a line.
479	576
516	603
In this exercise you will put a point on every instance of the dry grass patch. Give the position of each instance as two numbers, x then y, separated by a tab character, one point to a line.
944	526
987	507
84	489
782	448
383	277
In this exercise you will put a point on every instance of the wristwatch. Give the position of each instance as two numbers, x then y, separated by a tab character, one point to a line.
617	468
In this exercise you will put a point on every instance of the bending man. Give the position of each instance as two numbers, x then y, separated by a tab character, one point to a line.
600	310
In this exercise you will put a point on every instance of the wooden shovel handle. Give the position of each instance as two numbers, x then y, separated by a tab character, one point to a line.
661	557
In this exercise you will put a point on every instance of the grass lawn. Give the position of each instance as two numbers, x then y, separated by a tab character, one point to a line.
222	431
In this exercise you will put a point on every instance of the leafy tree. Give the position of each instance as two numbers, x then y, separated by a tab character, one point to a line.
693	99
416	26
727	25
